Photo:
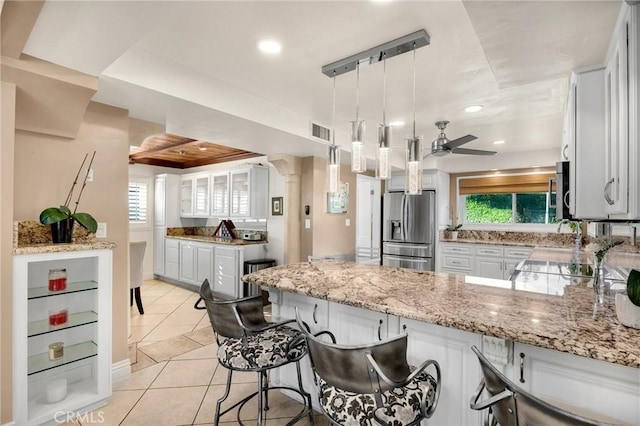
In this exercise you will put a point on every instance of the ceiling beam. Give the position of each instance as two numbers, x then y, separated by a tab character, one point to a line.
236	157
173	145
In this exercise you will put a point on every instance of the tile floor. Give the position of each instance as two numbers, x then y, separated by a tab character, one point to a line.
175	376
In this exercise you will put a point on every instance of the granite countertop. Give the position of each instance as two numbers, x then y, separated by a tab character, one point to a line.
563	323
505	243
215	240
57	248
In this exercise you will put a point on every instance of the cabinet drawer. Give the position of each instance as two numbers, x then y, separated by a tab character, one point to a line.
457	248
517	252
170	242
226	265
489	251
456	262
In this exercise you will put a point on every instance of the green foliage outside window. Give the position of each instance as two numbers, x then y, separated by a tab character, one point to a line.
497	208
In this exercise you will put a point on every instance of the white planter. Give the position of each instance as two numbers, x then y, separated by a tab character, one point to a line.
454	235
628	313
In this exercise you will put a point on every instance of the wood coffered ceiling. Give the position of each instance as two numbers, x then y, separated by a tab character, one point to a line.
182	153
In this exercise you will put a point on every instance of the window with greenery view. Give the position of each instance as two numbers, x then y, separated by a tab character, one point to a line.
507	208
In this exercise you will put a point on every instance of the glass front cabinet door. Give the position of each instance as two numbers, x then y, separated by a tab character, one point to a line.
220	195
240	193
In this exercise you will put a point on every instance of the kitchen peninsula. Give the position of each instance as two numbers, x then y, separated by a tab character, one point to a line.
444	316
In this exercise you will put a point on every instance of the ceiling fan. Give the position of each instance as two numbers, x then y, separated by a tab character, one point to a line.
443	146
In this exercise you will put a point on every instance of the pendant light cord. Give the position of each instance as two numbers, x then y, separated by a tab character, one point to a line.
357	90
384	89
414	90
333	112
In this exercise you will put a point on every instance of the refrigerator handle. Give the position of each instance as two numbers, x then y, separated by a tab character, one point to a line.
404	217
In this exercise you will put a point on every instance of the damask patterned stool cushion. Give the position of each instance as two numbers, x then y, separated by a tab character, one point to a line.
401	406
264	350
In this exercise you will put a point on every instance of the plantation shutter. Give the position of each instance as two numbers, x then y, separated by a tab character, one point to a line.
507	184
137	202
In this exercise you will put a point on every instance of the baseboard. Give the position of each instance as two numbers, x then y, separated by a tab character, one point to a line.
120	371
9	424
146	277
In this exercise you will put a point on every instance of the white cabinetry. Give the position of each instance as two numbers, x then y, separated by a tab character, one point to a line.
220	194
249	192
187	269
357	326
229	267
166	214
368	219
204	262
172	258
481	260
585	147
194	195
459	367
622	94
588	384
86	364
196	262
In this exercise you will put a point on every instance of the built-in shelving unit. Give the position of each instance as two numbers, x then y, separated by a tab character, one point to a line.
85	366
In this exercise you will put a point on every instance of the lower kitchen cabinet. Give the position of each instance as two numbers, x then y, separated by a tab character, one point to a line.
481	260
187	262
225	277
45	390
589	385
171	258
357	326
459	367
196	262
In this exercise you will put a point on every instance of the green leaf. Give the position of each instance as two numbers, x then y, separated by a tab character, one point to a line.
633	287
87	221
65	210
53	215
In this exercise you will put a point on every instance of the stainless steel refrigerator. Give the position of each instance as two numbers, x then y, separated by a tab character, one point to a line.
409	229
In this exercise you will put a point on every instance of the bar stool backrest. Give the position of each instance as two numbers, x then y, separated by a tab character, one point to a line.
520	408
346	367
223	318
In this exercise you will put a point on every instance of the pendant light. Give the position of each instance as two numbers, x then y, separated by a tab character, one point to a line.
383	153
333	158
358	159
413	166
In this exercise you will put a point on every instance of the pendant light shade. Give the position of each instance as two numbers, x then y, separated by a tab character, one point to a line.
413	177
383	157
333	169
413	164
358	158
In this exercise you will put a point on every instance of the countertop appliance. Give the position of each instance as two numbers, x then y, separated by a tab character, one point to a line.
409	229
562	191
251	236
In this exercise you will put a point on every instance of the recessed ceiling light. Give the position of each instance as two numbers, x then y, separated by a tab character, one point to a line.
473	108
397	123
270	47
498	142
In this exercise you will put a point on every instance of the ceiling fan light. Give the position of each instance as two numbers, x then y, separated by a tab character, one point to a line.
439	152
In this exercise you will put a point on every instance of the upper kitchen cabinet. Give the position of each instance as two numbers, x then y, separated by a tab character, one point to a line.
167	189
194	195
249	192
220	194
622	112
585	131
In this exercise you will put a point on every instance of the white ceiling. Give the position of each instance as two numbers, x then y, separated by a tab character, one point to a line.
194	66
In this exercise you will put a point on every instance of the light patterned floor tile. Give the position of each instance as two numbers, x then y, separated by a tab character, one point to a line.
169	348
142	361
220	376
205	352
165	331
138	333
203	335
148	319
193	372
167	407
120	404
141	379
237	392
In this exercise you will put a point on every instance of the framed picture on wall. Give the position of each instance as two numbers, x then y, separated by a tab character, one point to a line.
277	207
339	202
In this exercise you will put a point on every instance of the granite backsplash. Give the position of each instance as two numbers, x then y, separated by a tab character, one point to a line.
207	231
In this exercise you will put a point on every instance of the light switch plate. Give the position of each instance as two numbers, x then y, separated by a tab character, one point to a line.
90	175
347	222
307	223
101	232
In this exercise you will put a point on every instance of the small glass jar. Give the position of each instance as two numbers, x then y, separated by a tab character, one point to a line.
56	351
58	317
57	279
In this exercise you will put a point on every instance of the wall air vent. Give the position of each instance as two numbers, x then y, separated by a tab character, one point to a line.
320	132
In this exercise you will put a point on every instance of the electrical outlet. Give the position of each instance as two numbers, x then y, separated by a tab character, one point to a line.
101	232
90	175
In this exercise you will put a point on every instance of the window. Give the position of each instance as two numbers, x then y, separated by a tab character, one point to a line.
138	202
508	208
507	199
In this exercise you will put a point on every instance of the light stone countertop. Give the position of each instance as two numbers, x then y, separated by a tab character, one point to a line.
216	240
57	248
562	323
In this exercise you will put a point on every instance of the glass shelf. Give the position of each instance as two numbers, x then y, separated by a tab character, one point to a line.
38	292
72	353
37	328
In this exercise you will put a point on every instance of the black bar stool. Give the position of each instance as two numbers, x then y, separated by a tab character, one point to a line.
247	342
371	384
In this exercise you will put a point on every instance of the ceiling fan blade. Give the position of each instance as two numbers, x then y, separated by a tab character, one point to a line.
472	151
460	141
